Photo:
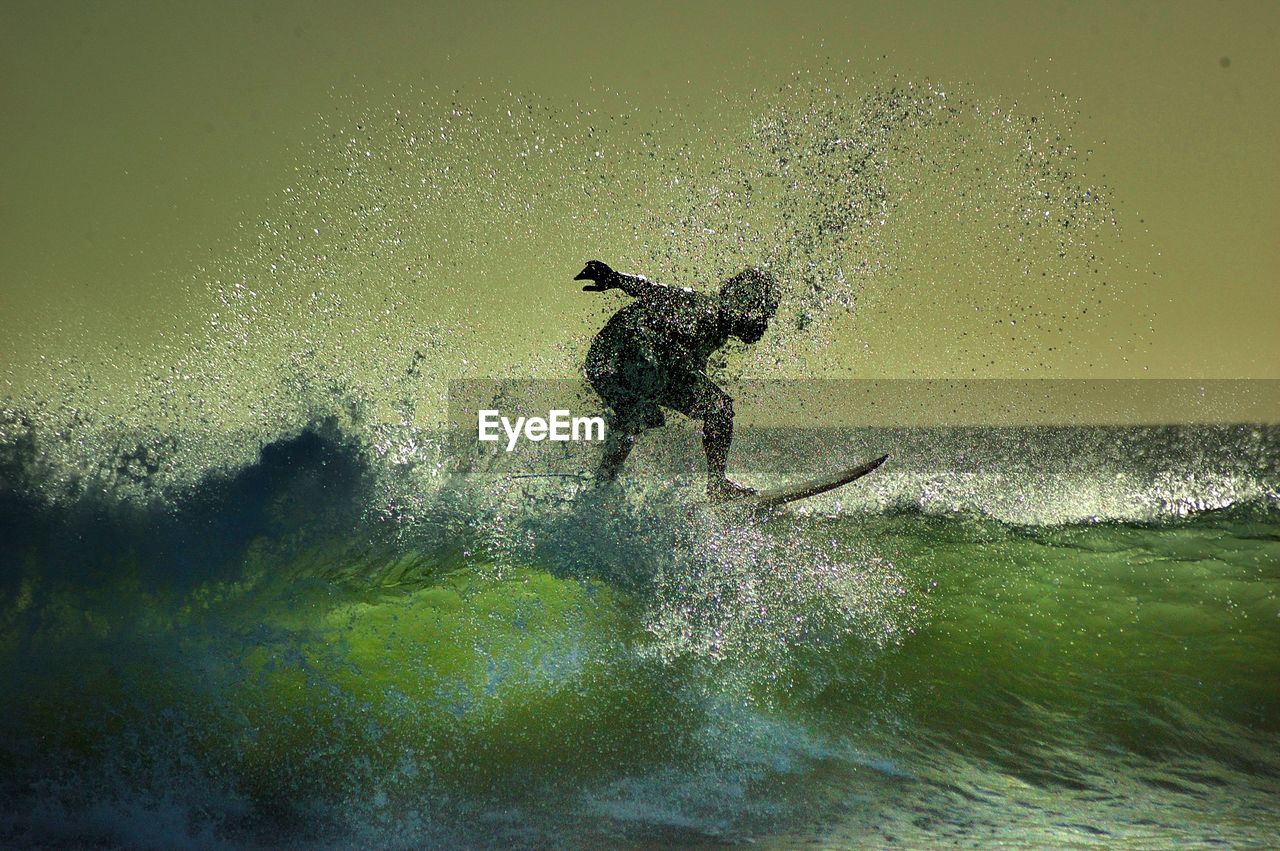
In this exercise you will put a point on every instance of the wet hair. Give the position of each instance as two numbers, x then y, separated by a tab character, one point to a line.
750	291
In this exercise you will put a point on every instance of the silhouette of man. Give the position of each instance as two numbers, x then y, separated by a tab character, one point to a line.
653	354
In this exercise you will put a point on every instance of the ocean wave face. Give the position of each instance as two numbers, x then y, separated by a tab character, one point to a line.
280	659
250	598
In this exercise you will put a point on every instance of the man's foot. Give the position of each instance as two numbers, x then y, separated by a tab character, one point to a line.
723	490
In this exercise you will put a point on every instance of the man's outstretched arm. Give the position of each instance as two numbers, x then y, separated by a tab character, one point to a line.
605	278
635	286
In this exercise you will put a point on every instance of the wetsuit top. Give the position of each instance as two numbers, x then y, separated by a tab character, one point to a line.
673	329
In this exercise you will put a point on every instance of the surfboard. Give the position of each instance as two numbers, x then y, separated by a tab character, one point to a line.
775	497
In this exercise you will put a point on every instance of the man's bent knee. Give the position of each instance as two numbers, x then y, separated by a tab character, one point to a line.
717	408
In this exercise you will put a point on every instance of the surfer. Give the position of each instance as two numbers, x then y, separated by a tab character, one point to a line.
652	354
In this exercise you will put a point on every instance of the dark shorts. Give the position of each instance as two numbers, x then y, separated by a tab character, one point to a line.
637	391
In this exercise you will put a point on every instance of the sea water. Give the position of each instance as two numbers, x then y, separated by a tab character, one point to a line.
975	657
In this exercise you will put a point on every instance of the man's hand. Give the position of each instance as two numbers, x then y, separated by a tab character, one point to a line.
604	278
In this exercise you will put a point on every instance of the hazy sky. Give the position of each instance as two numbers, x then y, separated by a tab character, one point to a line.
139	139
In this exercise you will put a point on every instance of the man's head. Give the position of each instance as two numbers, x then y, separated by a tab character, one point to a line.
748	301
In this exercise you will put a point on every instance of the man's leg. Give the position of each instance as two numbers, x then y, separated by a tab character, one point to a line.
617	446
698	397
716	410
627	419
